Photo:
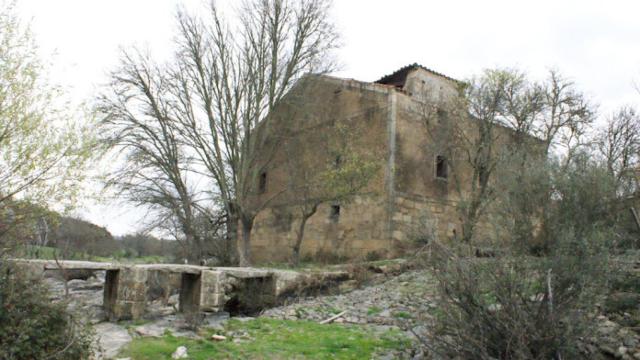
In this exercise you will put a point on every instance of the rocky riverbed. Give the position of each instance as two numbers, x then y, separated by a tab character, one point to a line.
406	301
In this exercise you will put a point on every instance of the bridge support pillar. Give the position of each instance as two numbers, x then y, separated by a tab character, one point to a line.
125	293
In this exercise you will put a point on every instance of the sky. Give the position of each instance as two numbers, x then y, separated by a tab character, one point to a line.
594	43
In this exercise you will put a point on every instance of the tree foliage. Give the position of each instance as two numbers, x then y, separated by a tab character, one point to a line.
44	146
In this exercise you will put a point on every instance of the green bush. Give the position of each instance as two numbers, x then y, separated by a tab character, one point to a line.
33	327
621	302
626	281
519	306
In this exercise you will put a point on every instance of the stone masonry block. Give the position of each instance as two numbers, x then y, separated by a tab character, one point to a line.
132	291
127	310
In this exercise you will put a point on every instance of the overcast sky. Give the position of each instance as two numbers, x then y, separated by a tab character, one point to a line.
595	43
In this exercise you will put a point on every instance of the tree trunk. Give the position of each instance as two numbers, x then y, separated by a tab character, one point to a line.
244	247
295	258
231	236
469	222
193	247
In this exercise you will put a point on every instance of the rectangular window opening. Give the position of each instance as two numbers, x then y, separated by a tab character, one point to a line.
262	183
441	167
335	213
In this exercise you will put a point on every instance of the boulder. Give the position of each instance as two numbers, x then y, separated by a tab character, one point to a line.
180	353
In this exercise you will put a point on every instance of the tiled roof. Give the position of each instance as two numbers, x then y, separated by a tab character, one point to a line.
399	76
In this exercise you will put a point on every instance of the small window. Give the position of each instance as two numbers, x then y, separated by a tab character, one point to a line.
335	213
441	167
262	183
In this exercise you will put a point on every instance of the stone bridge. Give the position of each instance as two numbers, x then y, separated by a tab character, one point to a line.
202	289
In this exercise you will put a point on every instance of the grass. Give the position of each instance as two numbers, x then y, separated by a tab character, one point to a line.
273	339
373	310
48	253
402	315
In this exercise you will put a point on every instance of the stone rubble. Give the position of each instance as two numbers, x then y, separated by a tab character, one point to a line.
402	302
399	300
405	301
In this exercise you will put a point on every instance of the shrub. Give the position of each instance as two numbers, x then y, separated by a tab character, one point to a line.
519	306
325	256
35	328
512	307
621	302
373	256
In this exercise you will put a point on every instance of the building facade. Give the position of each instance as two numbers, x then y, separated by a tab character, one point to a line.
385	120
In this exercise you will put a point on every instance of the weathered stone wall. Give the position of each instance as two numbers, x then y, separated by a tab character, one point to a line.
360	230
406	128
362	225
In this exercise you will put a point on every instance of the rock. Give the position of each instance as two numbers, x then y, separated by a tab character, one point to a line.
622	350
630	341
111	338
218	337
180	353
150	330
348	285
173	299
244	318
81	274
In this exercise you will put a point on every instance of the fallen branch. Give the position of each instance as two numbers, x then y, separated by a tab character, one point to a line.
333	318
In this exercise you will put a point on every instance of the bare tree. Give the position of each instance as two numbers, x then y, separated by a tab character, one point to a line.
618	143
228	78
566	117
503	122
139	125
465	129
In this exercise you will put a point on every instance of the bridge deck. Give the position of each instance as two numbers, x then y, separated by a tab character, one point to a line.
201	288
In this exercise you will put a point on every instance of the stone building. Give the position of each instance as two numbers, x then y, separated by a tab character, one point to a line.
386	120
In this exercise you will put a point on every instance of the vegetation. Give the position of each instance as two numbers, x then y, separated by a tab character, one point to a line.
35	328
75	239
44	146
274	339
199	114
555	218
44	150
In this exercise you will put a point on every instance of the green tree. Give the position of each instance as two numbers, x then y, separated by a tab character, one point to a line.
44	146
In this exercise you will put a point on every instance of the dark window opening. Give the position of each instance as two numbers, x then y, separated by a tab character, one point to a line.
262	184
441	167
335	213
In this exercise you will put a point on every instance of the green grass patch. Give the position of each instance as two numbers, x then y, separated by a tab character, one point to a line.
402	315
50	253
274	339
374	310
